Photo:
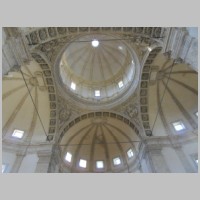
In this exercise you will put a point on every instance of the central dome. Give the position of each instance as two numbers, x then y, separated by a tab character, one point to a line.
97	68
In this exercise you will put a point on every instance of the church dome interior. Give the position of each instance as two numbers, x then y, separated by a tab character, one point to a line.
98	74
99	100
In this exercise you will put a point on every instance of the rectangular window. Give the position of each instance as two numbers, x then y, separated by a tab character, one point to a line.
130	153
179	126
116	161
120	84
99	164
82	163
73	86
97	93
68	157
18	134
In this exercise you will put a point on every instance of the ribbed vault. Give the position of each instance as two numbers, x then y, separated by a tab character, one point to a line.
100	138
174	88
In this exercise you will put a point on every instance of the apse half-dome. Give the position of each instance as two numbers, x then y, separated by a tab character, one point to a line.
98	69
99	142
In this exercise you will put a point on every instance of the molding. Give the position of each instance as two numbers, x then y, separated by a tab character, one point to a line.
25	147
98	114
46	34
171	140
49	82
145	76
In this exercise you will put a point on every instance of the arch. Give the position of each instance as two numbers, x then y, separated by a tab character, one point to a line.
98	114
46	69
99	135
145	76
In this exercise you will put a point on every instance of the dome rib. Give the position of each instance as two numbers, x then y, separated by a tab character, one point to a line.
101	67
123	156
107	154
92	150
76	153
97	68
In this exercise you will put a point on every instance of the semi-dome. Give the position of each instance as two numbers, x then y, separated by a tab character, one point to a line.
99	142
98	69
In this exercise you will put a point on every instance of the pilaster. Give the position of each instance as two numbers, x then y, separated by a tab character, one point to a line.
14	49
188	168
157	160
17	163
183	46
43	162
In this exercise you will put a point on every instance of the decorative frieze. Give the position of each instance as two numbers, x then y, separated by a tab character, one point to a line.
45	34
145	78
51	89
99	114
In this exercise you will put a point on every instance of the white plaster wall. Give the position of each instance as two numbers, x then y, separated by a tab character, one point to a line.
159	164
172	160
29	164
144	166
8	159
158	129
193	31
192	55
190	149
